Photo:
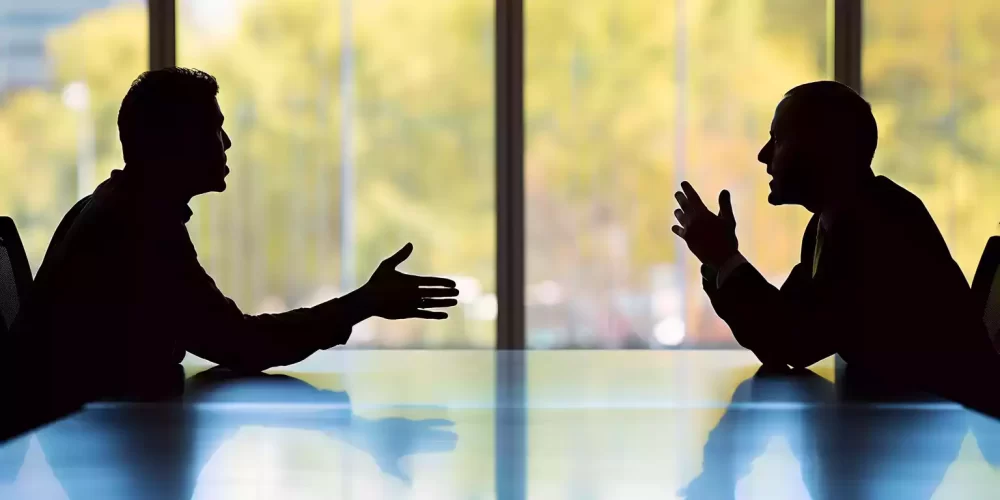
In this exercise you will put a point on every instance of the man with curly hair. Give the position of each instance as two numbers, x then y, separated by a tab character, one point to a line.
120	296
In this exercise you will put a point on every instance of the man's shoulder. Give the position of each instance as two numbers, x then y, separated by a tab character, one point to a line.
892	213
73	214
112	220
893	201
88	218
900	224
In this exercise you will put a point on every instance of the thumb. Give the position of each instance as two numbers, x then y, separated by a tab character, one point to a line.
726	206
398	257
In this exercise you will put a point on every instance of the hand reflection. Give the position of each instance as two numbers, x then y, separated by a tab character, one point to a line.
158	451
389	440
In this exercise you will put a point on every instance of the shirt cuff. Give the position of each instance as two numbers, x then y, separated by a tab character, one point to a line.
727	269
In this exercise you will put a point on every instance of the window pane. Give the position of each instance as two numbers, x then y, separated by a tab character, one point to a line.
932	74
623	101
64	67
357	126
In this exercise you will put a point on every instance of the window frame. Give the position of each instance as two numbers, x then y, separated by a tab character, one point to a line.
509	132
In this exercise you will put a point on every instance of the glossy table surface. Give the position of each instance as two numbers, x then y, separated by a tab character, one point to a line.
484	425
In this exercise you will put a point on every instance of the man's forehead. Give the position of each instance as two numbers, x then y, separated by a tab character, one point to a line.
217	110
791	115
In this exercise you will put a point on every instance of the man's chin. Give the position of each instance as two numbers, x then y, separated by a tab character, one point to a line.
217	186
777	200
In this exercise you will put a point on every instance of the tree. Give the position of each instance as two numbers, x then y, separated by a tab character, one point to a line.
105	49
930	70
620	106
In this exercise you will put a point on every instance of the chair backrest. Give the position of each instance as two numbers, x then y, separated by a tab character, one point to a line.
15	275
986	288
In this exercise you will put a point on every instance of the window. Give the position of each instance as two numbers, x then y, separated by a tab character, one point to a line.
931	72
623	100
59	106
356	127
359	126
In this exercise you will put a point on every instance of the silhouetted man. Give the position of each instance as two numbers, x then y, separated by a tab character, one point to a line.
121	288
876	282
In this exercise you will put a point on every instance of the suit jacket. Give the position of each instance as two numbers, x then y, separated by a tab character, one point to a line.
887	295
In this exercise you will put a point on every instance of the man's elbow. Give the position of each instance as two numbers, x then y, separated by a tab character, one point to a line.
767	354
245	368
805	359
779	350
801	364
775	356
240	364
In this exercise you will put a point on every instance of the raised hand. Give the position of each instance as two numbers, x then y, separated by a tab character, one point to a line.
391	294
710	237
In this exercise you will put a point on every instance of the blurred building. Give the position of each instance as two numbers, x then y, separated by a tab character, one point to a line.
24	24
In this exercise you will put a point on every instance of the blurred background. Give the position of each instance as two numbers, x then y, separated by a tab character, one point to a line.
359	125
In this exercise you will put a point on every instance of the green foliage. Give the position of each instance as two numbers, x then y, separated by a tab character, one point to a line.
930	71
617	113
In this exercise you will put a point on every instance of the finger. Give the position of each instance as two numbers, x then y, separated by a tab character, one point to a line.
682	217
682	201
400	256
436	422
693	196
422	314
431	281
726	206
436	303
439	437
438	292
436	440
679	231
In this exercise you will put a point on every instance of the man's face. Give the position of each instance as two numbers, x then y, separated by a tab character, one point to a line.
203	152
792	157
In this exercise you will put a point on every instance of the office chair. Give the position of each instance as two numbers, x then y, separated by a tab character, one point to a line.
986	288
15	275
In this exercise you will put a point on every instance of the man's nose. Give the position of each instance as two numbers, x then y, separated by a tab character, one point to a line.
226	142
766	152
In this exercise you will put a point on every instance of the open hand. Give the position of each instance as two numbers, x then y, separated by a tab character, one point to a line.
390	440
710	237
391	294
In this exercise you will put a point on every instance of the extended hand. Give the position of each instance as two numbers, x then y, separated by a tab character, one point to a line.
710	237
390	440
395	295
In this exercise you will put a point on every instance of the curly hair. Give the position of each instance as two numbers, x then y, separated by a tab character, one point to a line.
158	104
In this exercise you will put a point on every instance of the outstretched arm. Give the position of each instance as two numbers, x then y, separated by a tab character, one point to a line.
208	324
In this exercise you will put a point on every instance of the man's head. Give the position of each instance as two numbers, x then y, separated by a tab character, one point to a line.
823	138
170	125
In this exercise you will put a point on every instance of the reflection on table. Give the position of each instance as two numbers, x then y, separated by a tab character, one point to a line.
484	425
267	435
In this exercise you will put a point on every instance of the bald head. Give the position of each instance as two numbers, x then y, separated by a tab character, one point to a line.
838	116
823	138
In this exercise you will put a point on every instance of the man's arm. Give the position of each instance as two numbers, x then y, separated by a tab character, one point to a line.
770	322
189	307
208	324
789	326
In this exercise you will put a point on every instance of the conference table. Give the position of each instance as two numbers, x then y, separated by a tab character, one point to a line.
355	424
